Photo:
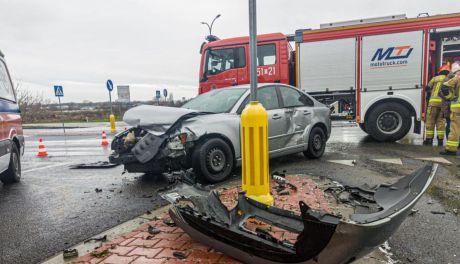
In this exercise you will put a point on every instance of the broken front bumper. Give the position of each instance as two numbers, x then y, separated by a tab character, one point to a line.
321	237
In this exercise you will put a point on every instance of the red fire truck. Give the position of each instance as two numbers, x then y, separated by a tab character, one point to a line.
372	70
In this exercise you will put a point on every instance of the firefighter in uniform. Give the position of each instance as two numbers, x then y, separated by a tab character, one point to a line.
451	91
435	117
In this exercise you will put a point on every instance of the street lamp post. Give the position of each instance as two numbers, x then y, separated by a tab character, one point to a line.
210	26
254	130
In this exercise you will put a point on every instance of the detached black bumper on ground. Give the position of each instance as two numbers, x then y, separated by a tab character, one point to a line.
321	237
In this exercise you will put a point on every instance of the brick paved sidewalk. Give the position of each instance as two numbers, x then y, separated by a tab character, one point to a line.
173	245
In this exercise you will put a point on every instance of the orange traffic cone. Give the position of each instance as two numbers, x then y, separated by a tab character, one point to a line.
104	139
41	149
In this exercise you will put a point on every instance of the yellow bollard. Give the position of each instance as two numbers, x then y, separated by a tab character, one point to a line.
254	153
113	129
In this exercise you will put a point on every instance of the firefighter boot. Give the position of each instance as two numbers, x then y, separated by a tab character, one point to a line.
440	142
428	142
448	153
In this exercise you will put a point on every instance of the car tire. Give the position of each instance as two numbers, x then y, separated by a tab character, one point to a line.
363	127
13	173
388	122
213	160
316	143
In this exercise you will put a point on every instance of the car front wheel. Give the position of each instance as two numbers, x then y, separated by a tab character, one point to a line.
213	160
13	173
316	143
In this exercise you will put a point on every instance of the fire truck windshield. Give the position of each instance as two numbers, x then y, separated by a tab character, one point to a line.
221	60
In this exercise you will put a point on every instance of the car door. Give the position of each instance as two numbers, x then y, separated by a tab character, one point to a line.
222	67
297	109
277	123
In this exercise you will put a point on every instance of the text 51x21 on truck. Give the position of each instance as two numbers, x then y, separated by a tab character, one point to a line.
372	70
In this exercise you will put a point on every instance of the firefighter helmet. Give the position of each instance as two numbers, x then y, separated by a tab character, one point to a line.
444	67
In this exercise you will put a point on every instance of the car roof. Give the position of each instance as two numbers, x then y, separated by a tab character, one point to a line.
259	85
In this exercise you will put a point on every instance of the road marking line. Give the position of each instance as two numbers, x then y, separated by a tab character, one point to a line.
392	161
344	162
46	167
436	159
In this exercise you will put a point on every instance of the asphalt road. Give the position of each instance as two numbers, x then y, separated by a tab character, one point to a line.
55	207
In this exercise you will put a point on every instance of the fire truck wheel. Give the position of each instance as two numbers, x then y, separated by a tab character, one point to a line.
13	173
213	160
316	143
389	122
363	127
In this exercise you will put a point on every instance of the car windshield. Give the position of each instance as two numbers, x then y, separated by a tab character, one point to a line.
216	101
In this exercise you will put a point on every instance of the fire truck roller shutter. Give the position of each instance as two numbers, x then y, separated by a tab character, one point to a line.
327	65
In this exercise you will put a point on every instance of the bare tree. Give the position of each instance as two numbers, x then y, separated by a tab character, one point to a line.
32	105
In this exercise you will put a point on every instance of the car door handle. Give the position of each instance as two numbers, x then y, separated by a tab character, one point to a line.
276	116
306	112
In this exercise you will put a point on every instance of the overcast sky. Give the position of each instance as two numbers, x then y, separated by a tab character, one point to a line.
151	44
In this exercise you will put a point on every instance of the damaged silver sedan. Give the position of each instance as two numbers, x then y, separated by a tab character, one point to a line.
205	133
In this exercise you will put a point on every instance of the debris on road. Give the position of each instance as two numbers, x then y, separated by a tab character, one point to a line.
94	165
153	230
413	212
100	254
179	255
98	190
438	212
169	222
70	253
97	239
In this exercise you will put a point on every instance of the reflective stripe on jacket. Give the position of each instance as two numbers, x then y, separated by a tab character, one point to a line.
435	85
454	92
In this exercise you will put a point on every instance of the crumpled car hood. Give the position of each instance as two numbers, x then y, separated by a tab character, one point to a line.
155	119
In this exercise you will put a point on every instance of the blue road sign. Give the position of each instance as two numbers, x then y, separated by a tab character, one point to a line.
165	92
58	91
158	94
109	85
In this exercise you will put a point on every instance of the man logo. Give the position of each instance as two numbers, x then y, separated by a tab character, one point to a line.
393	53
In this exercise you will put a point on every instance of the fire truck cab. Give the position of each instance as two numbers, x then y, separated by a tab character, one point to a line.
371	70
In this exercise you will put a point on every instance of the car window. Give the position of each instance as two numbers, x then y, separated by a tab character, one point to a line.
266	54
6	90
268	97
293	98
225	59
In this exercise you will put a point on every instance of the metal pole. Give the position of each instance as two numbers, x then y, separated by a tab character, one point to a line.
253	48
110	99
62	115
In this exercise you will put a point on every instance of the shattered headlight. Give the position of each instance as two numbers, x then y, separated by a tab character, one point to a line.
178	142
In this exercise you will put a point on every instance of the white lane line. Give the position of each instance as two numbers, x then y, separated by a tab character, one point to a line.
79	149
46	167
344	162
436	159
392	161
